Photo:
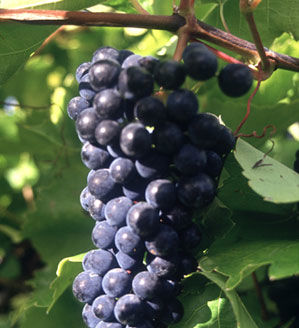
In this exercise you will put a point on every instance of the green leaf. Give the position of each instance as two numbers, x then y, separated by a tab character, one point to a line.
205	305
19	41
67	270
243	318
253	243
270	179
272	19
236	194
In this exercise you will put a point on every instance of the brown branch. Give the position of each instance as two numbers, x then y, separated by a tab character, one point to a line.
61	17
169	23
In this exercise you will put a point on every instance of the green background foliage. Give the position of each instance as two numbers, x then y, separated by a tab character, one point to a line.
252	226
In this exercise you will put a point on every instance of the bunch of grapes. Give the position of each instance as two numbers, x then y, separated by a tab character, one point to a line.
152	164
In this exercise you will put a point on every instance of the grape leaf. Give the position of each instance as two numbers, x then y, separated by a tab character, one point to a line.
67	270
205	305
253	243
19	41
267	177
236	194
242	316
272	18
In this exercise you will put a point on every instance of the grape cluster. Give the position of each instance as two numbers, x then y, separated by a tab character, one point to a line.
152	164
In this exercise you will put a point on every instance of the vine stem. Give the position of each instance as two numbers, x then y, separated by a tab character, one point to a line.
170	23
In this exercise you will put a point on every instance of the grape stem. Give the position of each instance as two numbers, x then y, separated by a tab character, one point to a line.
170	23
258	42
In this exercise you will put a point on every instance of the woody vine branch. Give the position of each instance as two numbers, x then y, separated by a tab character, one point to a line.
171	23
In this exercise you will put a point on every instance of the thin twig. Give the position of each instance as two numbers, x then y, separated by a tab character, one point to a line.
221	6
48	40
265	315
139	8
170	23
257	40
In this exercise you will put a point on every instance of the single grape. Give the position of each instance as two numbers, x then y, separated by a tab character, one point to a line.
143	219
164	243
87	286
105	53
96	209
135	82
214	164
190	160
204	130
102	186
146	285
108	104
135	140
131	61
182	105
94	157
150	111
168	138
99	261
116	210
82	70
86	90
86	124
107	132
129	310
104	74
201	64
103	307
235	80
161	194
116	282
128	241
85	198
76	106
103	235
89	317
196	191
122	170
170	74
226	141
163	267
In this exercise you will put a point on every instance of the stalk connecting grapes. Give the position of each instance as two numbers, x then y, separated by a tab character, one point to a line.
152	165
